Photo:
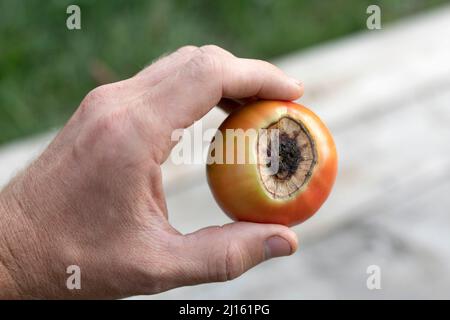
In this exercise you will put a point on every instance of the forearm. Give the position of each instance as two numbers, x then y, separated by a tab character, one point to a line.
27	255
9	288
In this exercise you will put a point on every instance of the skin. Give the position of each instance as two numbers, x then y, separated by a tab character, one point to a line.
247	199
94	198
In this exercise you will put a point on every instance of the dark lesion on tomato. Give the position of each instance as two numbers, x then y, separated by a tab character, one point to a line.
286	157
289	156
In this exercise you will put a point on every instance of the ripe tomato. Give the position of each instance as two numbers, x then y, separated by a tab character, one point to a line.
283	180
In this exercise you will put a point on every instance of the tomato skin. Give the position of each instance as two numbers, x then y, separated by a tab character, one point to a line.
237	188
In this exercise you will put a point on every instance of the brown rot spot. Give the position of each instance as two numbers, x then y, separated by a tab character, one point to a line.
286	157
289	156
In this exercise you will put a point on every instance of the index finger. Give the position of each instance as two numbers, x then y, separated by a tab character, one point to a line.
207	77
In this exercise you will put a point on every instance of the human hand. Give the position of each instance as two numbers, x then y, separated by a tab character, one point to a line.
94	198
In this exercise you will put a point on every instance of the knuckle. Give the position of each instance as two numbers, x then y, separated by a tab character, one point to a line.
94	98
203	65
186	49
233	265
103	138
212	48
99	94
268	66
159	271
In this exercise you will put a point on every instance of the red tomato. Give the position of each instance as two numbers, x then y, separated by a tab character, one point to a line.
305	160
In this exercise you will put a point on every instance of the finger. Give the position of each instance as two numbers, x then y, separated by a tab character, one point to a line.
228	105
224	253
213	49
206	78
243	78
165	65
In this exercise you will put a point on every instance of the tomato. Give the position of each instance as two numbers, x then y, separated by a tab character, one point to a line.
289	169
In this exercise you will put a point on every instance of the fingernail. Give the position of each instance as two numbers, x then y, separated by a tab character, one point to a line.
277	246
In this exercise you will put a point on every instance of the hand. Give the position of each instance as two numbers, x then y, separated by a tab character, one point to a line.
94	198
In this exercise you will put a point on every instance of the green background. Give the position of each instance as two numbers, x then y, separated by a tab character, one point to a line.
46	69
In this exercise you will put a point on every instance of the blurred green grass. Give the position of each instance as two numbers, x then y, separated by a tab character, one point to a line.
45	69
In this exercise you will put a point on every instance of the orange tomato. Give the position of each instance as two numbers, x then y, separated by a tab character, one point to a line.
252	190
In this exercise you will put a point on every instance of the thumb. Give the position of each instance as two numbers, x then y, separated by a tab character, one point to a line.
224	253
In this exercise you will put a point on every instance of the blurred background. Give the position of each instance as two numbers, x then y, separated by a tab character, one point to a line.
385	94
